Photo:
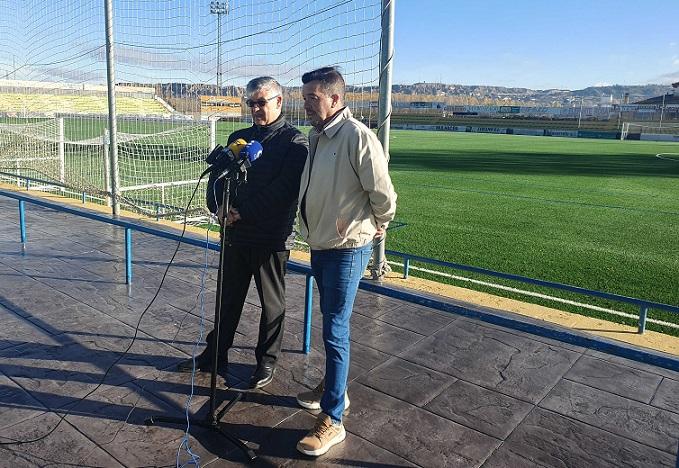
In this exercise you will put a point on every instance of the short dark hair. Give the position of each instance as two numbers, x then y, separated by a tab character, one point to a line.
330	78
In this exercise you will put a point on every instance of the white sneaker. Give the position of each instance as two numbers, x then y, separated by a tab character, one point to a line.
312	399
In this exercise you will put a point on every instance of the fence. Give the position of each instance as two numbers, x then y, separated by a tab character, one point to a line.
116	98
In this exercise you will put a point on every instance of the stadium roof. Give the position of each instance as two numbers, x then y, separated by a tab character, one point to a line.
669	99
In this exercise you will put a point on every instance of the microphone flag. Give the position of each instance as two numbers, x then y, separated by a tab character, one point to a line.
252	151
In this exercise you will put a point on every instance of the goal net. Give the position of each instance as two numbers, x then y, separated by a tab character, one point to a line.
30	151
158	171
180	69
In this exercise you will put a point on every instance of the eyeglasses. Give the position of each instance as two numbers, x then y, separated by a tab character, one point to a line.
259	102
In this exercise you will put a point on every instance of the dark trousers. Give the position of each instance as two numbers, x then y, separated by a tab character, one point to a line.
268	268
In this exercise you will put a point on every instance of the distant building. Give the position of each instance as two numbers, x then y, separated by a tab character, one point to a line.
220	106
427	105
669	99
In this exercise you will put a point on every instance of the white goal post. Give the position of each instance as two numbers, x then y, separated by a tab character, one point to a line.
650	131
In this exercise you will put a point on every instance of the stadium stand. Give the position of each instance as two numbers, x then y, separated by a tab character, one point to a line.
32	99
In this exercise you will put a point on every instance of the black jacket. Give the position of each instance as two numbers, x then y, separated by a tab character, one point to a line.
267	203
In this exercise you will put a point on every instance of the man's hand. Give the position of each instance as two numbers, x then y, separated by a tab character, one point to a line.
232	216
380	232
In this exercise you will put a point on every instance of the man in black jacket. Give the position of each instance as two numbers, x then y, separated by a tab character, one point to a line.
258	230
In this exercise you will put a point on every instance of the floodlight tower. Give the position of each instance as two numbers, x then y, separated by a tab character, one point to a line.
219	9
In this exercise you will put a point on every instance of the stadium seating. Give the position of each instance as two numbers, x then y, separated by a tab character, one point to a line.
49	105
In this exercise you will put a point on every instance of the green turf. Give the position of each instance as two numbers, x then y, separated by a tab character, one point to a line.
600	214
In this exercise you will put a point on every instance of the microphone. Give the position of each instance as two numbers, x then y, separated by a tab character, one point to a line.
248	154
221	157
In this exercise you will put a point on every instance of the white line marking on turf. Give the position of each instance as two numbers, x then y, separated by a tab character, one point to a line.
541	296
660	155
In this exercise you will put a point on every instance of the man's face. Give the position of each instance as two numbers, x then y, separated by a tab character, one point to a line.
318	105
265	106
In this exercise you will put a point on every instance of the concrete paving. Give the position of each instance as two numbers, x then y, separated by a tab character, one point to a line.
84	361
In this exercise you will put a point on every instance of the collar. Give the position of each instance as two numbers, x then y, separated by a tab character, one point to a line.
332	127
264	130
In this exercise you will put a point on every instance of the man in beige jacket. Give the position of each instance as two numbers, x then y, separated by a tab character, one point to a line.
346	200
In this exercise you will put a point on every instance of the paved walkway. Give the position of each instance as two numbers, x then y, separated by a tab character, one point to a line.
427	388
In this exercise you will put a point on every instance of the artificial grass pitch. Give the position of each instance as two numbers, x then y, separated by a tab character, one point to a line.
599	214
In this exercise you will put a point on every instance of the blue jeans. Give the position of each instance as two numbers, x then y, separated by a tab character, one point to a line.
337	273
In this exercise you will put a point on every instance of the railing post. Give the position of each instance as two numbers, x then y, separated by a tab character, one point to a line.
642	319
406	266
128	256
22	224
84	197
308	305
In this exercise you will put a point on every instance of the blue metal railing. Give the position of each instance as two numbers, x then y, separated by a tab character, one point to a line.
643	304
129	226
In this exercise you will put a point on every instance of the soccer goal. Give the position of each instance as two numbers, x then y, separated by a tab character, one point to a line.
30	150
157	169
652	132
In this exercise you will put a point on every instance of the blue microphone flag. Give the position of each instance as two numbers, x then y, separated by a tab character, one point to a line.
252	151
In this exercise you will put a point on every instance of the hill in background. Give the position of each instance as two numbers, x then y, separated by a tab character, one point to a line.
455	94
482	94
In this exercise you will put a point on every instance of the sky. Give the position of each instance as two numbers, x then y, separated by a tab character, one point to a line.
538	44
565	44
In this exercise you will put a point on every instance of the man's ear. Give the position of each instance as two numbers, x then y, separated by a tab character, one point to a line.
335	100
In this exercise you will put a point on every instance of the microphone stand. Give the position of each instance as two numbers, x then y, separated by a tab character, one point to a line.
213	419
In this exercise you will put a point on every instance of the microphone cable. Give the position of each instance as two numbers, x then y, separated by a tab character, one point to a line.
185	442
68	411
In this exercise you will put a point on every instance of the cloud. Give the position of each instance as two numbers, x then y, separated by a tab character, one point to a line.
667	78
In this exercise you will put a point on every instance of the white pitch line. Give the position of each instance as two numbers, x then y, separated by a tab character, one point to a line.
660	155
541	296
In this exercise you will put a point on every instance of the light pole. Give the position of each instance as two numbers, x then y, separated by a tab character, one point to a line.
219	9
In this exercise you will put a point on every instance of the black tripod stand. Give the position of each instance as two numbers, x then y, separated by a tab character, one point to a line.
213	419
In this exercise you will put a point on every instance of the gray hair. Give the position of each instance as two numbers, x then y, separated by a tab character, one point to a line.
263	82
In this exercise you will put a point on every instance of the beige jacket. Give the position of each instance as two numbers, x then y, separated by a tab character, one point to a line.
346	192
